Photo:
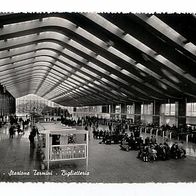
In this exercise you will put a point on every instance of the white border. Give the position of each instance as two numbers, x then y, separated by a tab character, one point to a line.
147	6
61	189
180	6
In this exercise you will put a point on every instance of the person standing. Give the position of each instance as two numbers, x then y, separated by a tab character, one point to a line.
34	131
31	139
86	129
11	132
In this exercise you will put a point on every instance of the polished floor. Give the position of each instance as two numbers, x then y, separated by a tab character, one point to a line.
107	163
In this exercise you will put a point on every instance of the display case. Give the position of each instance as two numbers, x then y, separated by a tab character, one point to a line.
61	143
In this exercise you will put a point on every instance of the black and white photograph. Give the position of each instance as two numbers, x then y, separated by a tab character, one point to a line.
97	97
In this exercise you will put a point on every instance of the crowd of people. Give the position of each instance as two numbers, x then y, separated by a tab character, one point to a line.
17	125
149	149
108	136
131	141
128	137
176	132
162	151
121	132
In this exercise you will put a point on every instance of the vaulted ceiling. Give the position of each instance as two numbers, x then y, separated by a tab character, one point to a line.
77	59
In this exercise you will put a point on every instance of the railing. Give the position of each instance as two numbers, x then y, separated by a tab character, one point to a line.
169	134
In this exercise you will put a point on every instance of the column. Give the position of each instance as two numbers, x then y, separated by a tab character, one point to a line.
180	113
14	105
112	109
123	110
156	113
105	108
137	114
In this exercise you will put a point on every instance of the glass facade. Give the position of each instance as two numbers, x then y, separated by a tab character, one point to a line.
130	109
118	109
168	112
147	109
7	102
90	109
191	109
32	103
168	109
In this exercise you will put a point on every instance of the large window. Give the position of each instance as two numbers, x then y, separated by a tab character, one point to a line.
130	109
117	109
146	109
168	109
191	109
32	103
89	109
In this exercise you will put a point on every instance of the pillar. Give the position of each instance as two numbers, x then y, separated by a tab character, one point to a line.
156	113
112	109
180	113
123	111
105	108
137	113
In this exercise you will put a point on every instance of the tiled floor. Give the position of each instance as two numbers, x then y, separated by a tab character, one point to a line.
107	163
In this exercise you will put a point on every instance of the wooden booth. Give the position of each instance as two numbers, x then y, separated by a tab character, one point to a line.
60	143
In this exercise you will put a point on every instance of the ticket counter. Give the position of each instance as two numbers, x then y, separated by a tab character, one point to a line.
59	143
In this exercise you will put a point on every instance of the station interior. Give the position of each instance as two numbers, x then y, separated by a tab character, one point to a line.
97	97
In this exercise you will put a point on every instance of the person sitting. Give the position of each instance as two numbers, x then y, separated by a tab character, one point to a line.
132	143
182	152
108	138
140	152
101	134
153	140
125	143
167	150
174	151
115	137
160	151
139	142
137	134
147	141
145	154
153	153
97	134
105	137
